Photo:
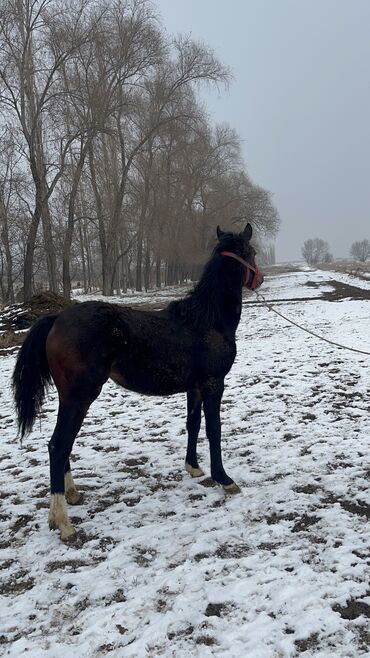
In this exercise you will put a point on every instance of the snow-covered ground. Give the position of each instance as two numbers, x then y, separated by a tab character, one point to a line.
169	566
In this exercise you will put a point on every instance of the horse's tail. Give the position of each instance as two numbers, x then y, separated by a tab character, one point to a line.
31	375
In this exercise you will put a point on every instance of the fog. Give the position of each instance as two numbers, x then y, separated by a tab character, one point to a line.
300	101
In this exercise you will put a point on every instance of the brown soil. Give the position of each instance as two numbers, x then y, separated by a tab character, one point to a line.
353	609
340	290
14	320
22	316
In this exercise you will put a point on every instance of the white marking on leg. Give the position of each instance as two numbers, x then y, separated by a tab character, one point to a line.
58	517
194	472
68	481
72	494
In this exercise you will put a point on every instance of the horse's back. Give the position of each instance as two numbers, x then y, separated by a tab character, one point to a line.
146	351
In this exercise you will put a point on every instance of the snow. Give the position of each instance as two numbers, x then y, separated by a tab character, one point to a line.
167	566
160	296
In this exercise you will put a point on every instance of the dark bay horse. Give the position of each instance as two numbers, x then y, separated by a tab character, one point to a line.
187	347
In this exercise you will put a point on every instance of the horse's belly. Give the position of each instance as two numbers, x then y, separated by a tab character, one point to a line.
150	381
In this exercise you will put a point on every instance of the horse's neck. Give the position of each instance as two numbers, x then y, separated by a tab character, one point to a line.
224	300
231	302
214	303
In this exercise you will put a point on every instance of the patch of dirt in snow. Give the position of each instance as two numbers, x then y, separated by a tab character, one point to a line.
340	290
164	565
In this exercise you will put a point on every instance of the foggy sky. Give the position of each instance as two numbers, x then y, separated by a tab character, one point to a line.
300	101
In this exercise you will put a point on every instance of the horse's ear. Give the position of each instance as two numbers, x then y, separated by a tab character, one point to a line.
220	233
247	233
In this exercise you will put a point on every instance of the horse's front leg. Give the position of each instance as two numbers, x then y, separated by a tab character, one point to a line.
194	407
212	395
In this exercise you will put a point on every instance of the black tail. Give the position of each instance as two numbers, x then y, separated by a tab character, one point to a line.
31	375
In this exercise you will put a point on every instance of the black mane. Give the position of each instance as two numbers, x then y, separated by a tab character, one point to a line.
204	306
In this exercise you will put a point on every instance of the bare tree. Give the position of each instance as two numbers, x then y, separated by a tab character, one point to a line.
123	171
30	61
316	251
149	92
361	250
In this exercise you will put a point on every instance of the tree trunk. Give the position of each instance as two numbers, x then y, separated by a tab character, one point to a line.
28	260
106	249
123	268
158	272
140	235
49	245
89	263
82	252
70	222
147	269
139	262
9	292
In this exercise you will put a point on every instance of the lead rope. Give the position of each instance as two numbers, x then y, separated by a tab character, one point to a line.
308	331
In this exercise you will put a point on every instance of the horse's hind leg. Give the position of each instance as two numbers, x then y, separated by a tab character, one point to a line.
194	406
70	417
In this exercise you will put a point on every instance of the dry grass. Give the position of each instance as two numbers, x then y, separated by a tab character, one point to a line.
352	267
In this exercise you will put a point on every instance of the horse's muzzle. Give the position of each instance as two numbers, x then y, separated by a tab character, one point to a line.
253	277
259	279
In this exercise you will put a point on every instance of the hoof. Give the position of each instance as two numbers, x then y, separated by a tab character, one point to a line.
52	524
194	472
67	531
231	488
73	497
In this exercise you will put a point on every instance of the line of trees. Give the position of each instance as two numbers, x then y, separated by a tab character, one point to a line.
111	173
317	251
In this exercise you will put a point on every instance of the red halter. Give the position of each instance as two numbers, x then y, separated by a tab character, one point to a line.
249	270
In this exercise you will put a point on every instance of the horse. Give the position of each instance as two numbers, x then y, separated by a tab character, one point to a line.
188	347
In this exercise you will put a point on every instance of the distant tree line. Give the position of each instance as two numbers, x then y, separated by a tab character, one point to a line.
111	173
317	251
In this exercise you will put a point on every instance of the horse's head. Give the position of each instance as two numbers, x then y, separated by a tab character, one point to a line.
239	247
